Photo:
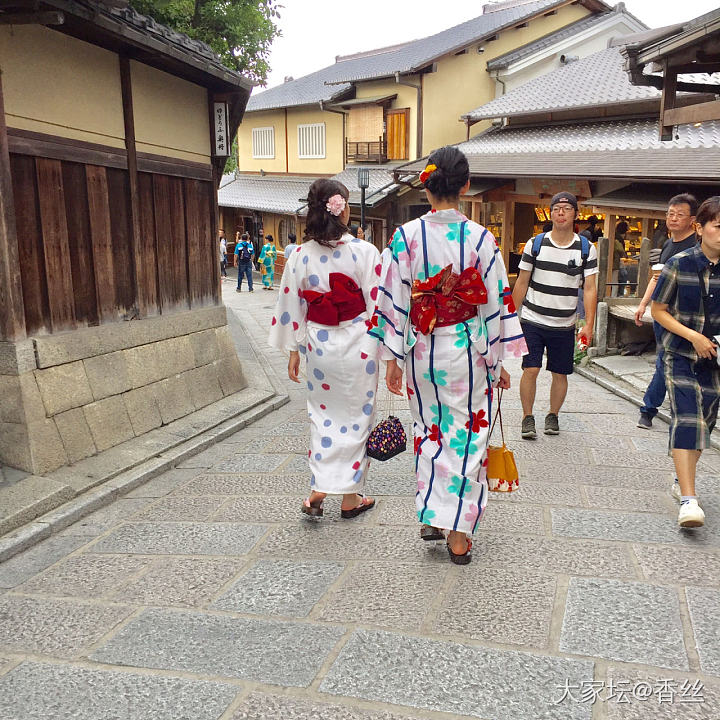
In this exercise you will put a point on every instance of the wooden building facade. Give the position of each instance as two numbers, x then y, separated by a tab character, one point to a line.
113	134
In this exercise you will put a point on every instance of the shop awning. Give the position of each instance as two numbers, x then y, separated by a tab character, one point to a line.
639	196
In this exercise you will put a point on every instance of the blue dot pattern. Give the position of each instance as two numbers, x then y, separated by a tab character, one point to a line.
327	423
323	335
356	427
357	477
326	442
370	368
336	254
323	258
319	374
367	409
314	280
285	318
343	429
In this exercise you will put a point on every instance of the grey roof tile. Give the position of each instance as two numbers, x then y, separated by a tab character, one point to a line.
625	148
596	80
268	193
566	33
410	56
381	184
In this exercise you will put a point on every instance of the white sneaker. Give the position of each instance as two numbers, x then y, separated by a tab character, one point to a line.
691	515
675	492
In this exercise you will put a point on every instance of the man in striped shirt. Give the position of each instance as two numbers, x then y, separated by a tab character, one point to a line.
547	289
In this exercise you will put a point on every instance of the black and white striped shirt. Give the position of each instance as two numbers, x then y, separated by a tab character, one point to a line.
551	299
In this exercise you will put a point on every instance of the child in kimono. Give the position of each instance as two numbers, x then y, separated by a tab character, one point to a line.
445	317
327	295
267	260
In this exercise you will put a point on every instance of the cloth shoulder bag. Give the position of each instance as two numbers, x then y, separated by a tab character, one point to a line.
387	439
502	473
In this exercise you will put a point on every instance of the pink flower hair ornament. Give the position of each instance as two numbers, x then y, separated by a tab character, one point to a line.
335	205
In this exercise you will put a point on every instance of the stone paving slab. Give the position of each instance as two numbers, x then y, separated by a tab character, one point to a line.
280	587
391	595
678	565
629	622
502	606
541	493
630	478
86	576
512	519
629	527
40	691
454	678
181	539
164	484
704	604
277	509
181	509
62	628
642	460
278	653
34	560
670	696
240	484
256	462
102	520
263	706
180	582
630	500
353	542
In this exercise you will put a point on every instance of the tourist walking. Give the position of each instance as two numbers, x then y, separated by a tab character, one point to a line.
686	302
267	258
553	267
223	255
445	317
244	252
327	294
291	246
680	220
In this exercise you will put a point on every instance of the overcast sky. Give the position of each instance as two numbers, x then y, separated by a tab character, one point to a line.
315	31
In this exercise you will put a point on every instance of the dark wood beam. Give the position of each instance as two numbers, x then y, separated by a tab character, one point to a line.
698	67
132	162
692	114
667	102
12	311
37	18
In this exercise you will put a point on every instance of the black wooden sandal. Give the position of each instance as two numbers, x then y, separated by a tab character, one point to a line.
313	510
361	508
430	532
461	558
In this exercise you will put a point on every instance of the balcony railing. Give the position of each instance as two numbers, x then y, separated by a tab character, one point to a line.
367	150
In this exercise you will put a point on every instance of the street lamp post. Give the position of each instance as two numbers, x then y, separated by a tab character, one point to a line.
363	184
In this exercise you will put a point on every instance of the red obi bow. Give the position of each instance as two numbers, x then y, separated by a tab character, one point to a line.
446	298
344	301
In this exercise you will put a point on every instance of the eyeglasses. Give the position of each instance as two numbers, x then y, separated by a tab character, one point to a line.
562	208
676	216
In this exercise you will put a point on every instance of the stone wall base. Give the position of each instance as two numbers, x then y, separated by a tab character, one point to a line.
68	396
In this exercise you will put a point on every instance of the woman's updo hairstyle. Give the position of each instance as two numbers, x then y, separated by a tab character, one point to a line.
322	226
451	175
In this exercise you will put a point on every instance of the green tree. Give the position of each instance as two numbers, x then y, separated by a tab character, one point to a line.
239	31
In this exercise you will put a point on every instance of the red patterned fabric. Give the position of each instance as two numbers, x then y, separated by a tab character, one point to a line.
446	298
344	301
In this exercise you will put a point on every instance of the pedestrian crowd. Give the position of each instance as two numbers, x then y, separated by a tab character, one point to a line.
436	307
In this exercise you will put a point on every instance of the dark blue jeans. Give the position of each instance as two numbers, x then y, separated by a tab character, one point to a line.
245	269
655	393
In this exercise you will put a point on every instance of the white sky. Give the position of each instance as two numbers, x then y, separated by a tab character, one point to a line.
315	31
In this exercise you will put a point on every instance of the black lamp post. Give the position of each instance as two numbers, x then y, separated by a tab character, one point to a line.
363	184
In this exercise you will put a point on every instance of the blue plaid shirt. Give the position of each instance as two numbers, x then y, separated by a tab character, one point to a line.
678	287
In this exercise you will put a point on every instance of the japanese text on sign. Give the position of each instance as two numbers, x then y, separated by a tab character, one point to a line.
221	129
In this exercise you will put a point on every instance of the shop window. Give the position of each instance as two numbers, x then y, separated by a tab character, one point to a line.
263	142
284	228
311	141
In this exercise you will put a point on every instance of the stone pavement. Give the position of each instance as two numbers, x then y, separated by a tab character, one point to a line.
205	595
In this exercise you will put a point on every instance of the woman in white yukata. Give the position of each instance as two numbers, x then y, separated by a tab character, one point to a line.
327	295
445	314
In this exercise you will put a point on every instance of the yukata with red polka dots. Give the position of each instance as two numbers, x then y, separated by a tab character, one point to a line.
341	359
451	370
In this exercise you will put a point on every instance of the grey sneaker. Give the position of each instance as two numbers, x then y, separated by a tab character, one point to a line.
675	492
644	421
552	427
528	428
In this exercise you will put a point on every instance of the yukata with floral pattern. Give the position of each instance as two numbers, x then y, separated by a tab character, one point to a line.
450	370
267	259
341	359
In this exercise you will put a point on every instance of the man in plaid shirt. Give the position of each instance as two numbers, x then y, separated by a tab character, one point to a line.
686	302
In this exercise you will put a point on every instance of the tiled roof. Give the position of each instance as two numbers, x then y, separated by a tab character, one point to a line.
567	33
381	184
596	80
408	57
613	149
269	193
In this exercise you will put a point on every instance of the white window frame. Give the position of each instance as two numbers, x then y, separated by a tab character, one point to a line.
263	142
312	134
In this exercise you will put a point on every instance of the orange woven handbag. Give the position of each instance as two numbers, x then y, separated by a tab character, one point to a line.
502	472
